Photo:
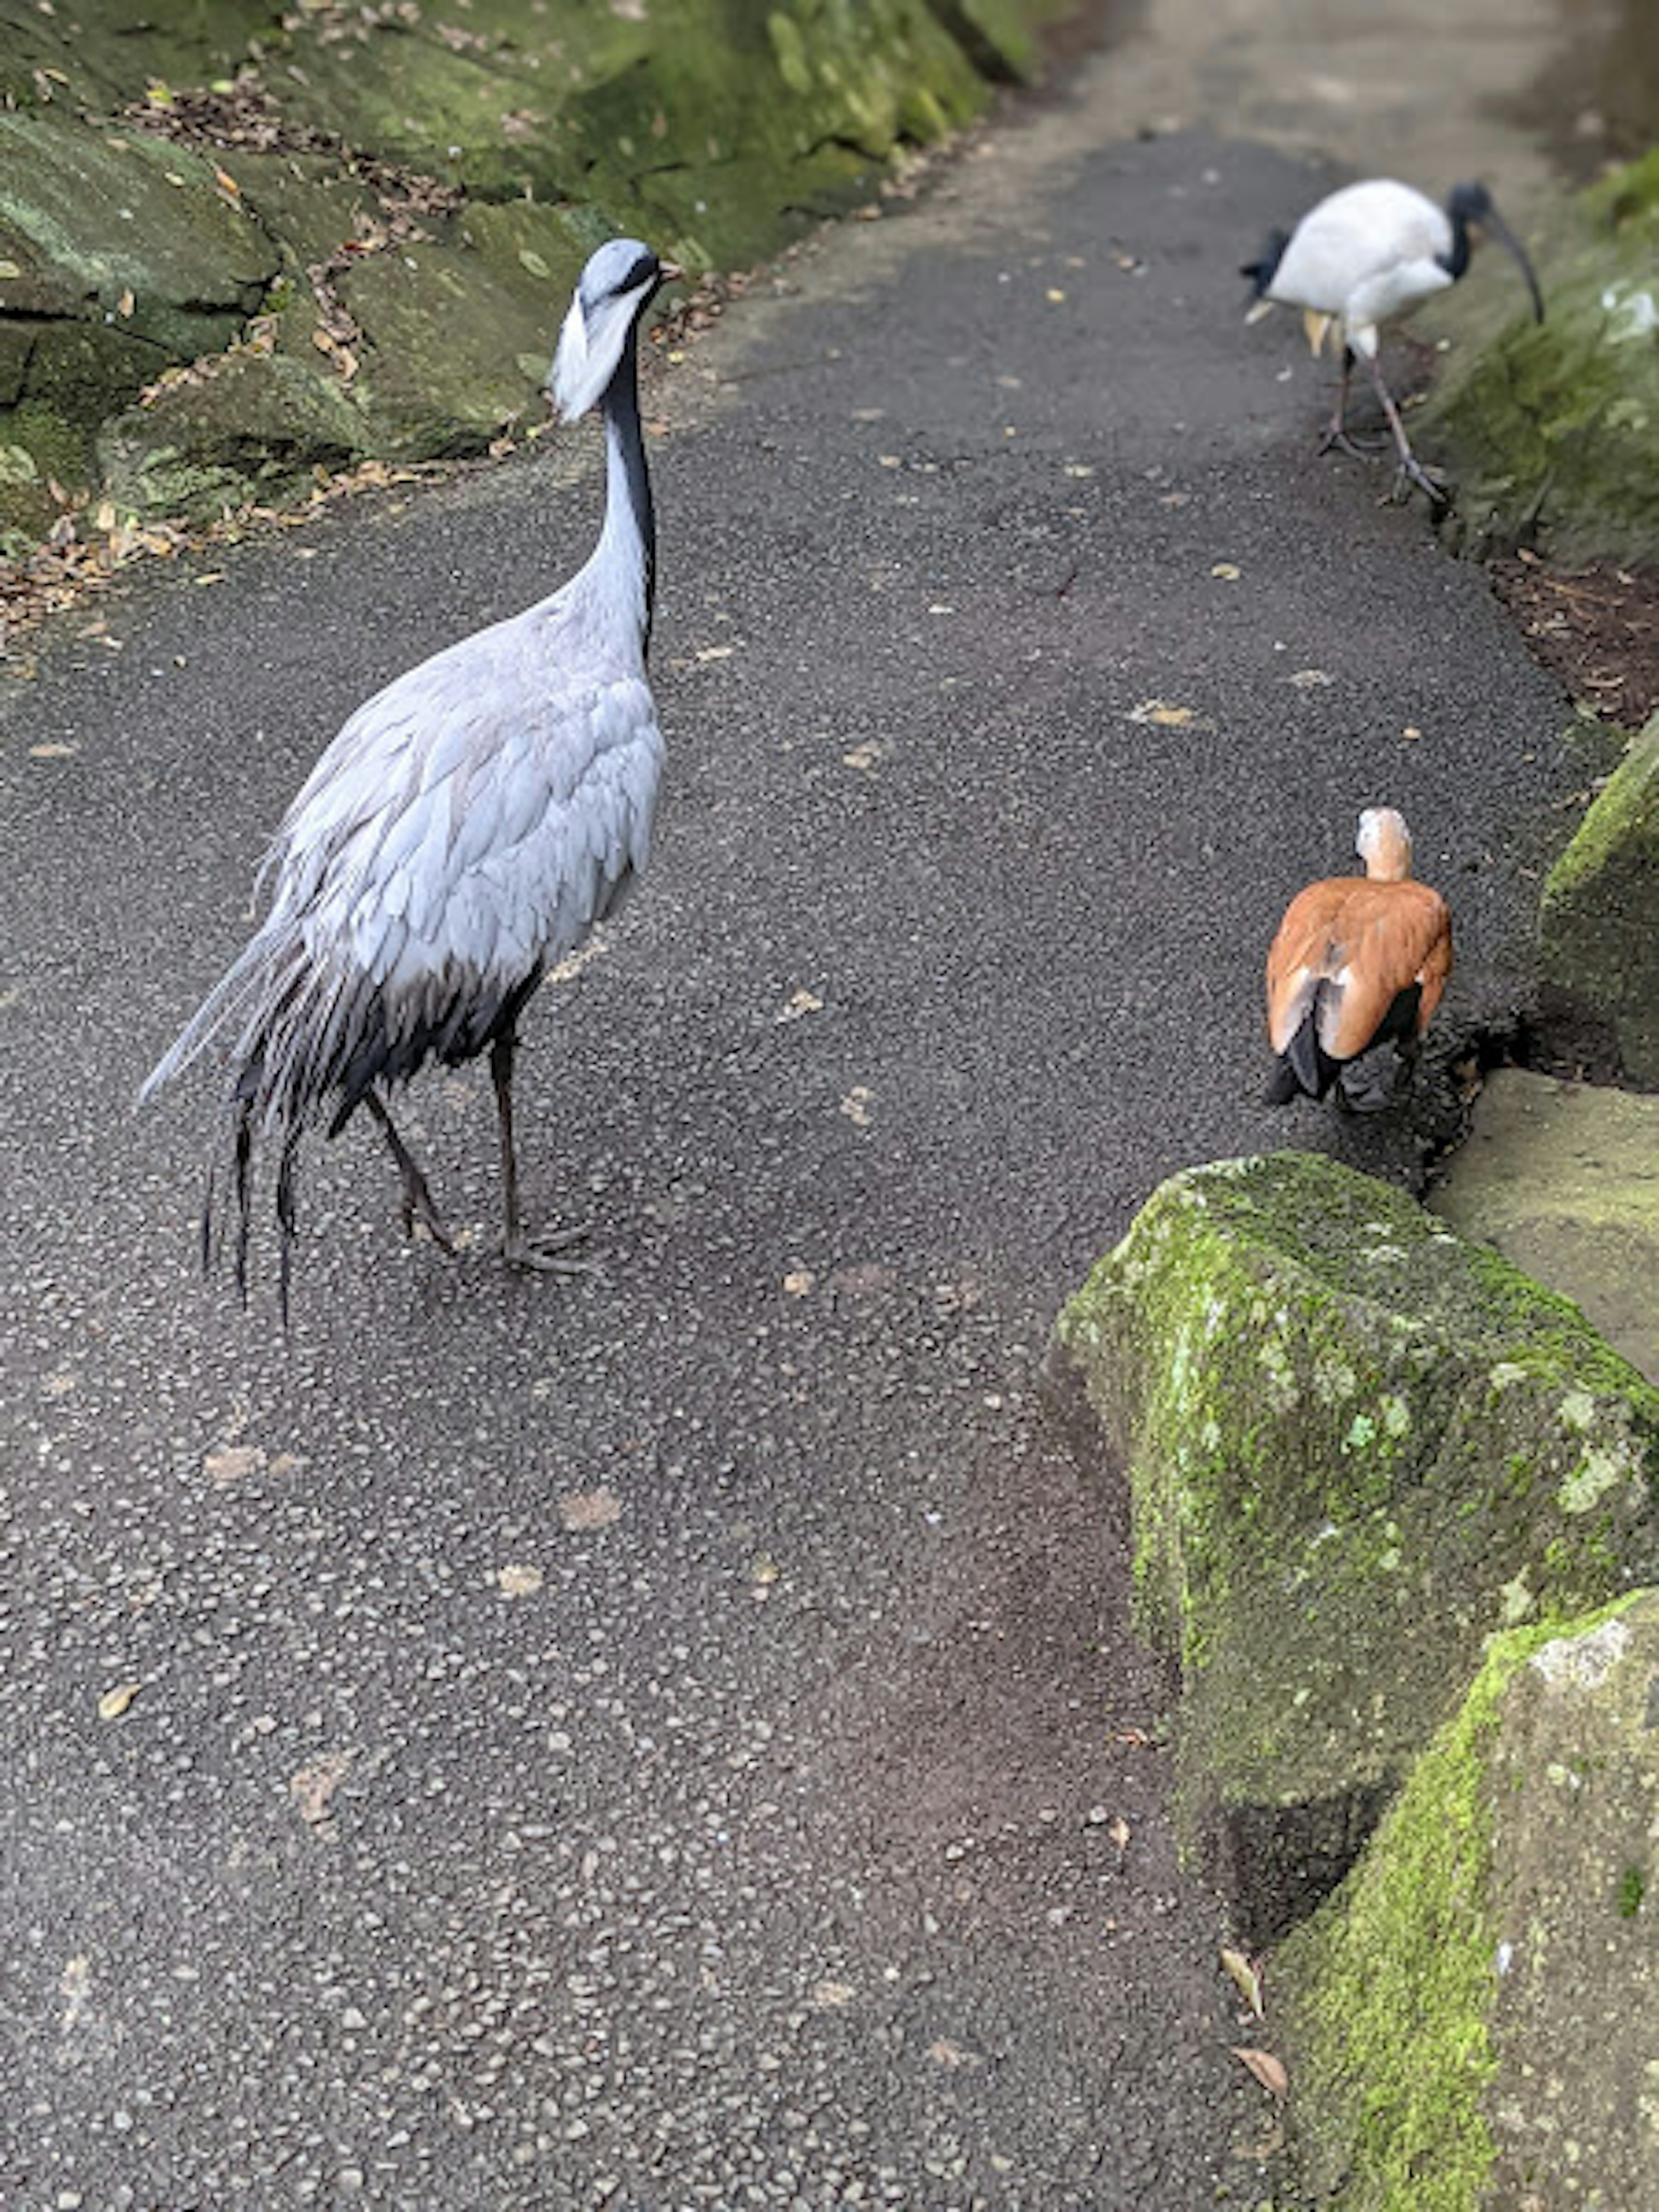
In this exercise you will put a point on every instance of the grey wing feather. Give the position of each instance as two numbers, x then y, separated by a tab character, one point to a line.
466	827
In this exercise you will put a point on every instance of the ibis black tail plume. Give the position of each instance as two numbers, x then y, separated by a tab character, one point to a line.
1262	271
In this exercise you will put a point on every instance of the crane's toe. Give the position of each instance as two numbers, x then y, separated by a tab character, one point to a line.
548	1253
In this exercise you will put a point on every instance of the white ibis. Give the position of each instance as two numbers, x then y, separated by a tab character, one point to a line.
1366	257
1358	961
463	832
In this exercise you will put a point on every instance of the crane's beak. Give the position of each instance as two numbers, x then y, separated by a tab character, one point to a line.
1500	230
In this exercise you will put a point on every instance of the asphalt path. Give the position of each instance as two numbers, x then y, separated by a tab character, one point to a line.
676	1739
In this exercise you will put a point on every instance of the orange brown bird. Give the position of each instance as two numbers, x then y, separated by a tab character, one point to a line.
1358	961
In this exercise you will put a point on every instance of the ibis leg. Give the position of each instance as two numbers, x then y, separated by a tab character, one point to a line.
544	1253
1337	437
1411	469
417	1204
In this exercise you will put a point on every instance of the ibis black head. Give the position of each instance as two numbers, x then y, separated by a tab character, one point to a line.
1472	209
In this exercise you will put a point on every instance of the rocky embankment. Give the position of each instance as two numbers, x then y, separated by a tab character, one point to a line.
240	246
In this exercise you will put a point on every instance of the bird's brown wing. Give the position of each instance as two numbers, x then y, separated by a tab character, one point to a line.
1306	952
1366	942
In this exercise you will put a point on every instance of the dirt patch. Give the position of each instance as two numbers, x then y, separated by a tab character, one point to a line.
1597	628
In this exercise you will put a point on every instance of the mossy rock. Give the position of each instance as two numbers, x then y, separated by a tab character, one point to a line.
243	426
1551	431
1356	1445
459	331
1470	2016
1599	923
127	230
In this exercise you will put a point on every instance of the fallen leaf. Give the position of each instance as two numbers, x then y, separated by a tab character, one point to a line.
1166	716
856	1106
1054	295
519	1581
799	1281
764	1571
54	751
713	651
943	2051
1309	679
230	1462
114	1701
316	1782
863	755
1118	1831
590	1509
1244	1975
1228	571
797	1004
125	304
828	1994
1267	2069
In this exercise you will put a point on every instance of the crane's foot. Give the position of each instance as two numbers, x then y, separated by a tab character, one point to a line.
548	1253
417	1206
1412	475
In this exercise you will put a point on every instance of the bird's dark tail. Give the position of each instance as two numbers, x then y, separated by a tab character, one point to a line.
1262	271
1305	1067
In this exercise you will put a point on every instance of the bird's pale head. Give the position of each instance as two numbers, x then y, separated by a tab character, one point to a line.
613	291
1385	844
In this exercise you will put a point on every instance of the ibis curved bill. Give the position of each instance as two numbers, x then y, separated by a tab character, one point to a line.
463	832
1365	258
1358	961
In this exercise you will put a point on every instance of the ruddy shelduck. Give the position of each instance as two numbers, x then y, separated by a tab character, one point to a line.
1358	961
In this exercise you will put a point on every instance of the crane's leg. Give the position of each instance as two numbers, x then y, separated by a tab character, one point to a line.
547	1252
1411	469
417	1204
1337	437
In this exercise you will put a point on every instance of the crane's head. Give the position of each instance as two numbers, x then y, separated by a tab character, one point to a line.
1473	214
1385	844
611	294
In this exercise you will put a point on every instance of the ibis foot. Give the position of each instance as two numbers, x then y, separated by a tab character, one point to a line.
1336	440
1411	473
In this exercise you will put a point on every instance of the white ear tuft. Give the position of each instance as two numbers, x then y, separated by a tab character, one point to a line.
571	380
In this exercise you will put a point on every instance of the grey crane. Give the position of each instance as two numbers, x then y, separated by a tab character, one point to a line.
463	832
1369	255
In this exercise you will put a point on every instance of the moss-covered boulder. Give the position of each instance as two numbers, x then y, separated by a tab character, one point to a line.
1552	430
1599	925
1356	1445
119	254
408	196
1471	2016
1564	1179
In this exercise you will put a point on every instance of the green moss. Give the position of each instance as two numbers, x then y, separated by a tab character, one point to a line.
1632	1887
1596	924
1552	429
1391	1984
1355	1444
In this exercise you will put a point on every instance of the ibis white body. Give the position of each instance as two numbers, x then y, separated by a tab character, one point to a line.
1368	256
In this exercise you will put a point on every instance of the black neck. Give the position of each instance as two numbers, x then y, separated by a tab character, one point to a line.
629	479
1457	260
